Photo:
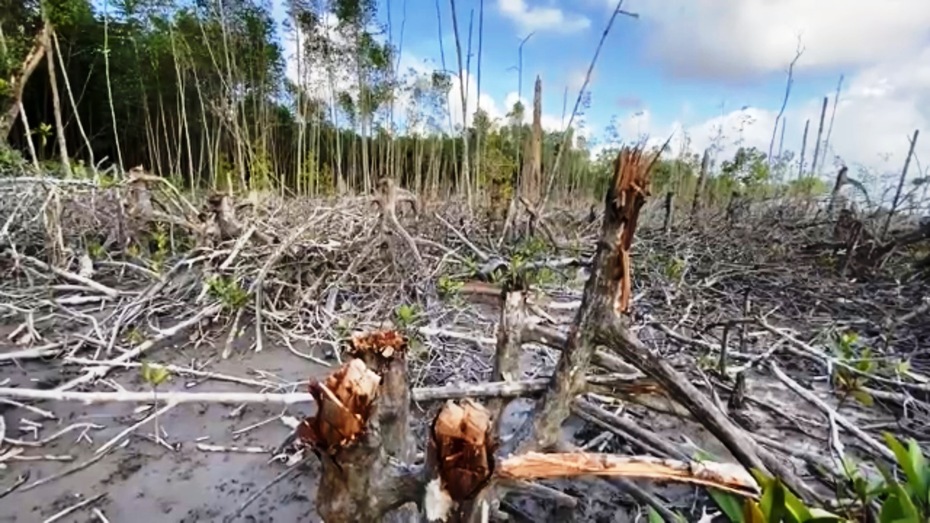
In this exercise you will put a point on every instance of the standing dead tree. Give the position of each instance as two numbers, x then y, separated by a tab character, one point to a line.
789	82
823	115
699	188
897	194
361	427
841	179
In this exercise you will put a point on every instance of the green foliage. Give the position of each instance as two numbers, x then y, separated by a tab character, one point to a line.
776	505
748	166
261	170
344	327
154	374
898	502
95	250
134	336
849	383
808	186
228	292
531	247
43	131
909	501
654	517
11	161
202	91
160	238
448	287
406	315
675	268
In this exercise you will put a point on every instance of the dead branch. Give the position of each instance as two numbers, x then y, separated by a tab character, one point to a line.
615	336
606	294
536	465
388	197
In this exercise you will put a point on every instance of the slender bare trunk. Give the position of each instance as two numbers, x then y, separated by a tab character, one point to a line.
823	115
897	194
56	104
807	125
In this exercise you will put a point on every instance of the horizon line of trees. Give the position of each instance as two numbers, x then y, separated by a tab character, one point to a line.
200	93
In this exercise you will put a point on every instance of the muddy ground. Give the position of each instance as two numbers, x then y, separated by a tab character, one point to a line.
143	481
147	482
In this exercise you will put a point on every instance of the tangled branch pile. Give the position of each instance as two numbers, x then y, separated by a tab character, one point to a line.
723	307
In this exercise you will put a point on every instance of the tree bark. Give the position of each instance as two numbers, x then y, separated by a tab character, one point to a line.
840	181
607	294
18	82
699	189
359	433
56	104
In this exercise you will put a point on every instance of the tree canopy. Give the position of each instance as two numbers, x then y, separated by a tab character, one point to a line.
201	91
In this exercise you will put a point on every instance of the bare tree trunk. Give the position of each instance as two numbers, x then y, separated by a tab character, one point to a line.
897	194
466	173
17	82
56	104
803	150
74	105
781	140
28	136
784	103
667	227
836	102
840	181
823	115
699	189
571	119
532	167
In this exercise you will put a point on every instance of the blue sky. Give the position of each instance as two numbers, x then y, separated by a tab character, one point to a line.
624	80
693	67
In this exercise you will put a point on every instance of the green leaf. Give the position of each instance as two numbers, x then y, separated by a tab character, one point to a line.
654	516
752	513
920	482
795	507
703	455
899	508
763	479
903	367
154	374
146	372
819	515
773	502
909	463
730	504
863	397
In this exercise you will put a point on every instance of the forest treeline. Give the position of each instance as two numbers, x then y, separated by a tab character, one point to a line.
197	90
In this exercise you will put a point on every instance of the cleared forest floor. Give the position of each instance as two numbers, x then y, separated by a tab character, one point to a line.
273	304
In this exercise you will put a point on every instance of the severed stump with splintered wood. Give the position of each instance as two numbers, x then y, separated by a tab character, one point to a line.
460	459
360	433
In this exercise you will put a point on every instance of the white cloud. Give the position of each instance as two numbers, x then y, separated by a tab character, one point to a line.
537	18
879	109
736	38
455	100
575	79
